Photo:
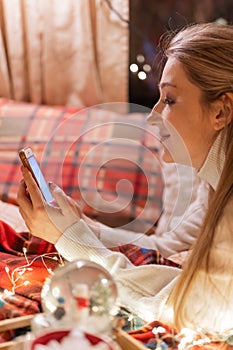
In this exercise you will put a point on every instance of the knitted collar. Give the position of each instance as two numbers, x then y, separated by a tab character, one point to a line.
213	165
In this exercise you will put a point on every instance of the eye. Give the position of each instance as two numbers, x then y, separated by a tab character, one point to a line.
168	101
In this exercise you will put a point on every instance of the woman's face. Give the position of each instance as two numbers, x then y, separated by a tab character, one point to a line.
185	130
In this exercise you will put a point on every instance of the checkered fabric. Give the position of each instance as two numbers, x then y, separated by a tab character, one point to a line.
106	160
141	256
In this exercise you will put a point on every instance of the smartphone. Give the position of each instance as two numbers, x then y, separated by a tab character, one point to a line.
29	161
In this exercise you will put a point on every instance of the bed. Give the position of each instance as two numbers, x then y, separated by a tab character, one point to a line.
86	151
102	158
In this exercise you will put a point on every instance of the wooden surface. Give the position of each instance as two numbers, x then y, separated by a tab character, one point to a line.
125	341
10	345
14	323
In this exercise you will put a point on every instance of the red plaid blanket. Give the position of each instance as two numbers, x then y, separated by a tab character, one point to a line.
32	268
87	152
142	256
22	276
24	273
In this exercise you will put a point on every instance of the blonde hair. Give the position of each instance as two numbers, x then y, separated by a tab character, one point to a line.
206	53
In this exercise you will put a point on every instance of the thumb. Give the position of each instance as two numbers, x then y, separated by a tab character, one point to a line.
59	196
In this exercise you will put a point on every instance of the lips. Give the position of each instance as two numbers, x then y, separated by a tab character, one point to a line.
155	119
163	138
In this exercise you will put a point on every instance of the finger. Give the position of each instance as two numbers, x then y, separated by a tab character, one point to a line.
24	202
22	195
75	206
59	196
32	188
64	202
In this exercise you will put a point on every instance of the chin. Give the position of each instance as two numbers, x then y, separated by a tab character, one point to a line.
166	157
179	158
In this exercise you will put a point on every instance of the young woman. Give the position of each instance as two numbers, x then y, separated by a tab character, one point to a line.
195	108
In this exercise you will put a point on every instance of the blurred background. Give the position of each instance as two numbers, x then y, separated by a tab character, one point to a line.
147	21
88	52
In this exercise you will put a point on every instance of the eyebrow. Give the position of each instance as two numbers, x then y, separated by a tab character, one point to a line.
162	85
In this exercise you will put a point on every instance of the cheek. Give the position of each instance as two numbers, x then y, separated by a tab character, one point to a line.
175	118
185	124
172	119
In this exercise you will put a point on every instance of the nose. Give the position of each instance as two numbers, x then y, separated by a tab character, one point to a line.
154	118
155	115
158	107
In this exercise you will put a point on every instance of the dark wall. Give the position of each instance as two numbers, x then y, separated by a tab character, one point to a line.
148	20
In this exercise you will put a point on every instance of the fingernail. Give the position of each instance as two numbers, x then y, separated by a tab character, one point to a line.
51	184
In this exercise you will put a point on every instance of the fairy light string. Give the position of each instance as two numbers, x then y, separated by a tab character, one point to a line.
16	276
185	339
165	337
188	338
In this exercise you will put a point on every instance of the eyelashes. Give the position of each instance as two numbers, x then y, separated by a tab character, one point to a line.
168	101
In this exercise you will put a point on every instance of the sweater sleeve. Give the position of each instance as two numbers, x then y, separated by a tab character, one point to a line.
168	241
139	288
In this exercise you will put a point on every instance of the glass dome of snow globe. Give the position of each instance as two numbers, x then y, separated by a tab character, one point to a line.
80	293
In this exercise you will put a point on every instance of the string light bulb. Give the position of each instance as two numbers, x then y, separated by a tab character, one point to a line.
16	277
133	68
142	75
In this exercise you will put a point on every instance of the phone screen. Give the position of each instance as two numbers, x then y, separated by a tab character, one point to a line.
40	179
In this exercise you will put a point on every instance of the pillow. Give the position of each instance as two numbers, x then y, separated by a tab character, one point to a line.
21	125
104	159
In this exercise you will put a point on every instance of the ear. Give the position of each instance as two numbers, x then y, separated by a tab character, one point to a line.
223	111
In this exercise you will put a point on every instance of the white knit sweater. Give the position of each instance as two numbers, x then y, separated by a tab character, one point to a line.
185	204
188	192
143	289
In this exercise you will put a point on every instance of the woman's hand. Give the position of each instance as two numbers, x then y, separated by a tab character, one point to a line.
44	220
